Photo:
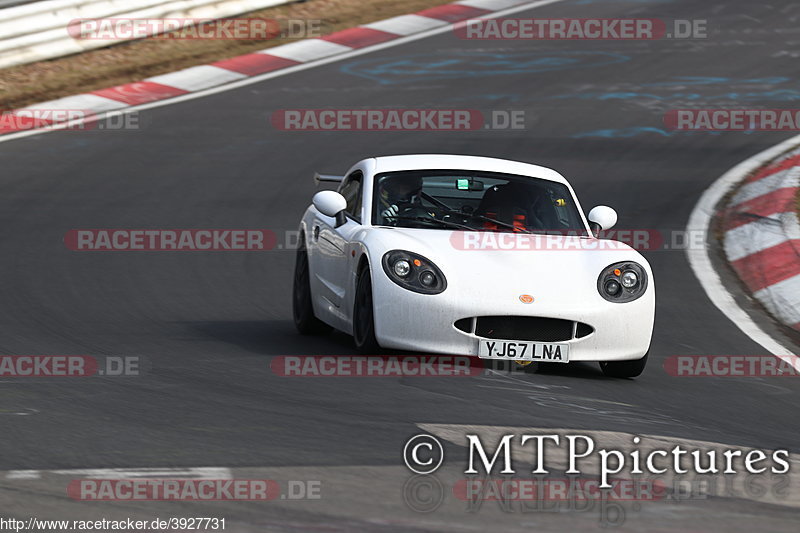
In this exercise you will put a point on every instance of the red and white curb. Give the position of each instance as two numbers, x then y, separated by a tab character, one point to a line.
762	236
203	77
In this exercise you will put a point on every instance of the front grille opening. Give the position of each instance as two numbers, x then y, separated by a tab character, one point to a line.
464	324
524	328
583	330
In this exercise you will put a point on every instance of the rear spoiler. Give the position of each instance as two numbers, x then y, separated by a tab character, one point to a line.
327	177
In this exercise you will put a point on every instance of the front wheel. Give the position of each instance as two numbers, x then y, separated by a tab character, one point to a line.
363	315
624	369
302	307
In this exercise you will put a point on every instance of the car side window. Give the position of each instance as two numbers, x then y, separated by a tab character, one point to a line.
351	190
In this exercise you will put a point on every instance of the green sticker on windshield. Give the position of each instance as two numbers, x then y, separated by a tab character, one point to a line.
462	184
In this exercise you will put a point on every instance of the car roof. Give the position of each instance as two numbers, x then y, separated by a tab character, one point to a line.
394	163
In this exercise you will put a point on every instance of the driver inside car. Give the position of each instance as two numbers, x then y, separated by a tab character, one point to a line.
398	195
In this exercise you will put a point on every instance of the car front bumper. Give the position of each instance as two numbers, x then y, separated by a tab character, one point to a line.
409	321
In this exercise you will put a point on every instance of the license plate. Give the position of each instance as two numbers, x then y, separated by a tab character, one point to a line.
523	351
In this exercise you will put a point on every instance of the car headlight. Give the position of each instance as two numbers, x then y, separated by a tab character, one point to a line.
413	272
622	282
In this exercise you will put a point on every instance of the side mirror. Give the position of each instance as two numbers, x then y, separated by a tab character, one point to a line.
602	218
331	204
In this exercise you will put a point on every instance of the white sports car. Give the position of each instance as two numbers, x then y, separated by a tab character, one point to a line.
471	256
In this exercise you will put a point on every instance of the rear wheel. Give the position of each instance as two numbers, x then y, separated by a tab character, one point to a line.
302	307
624	369
363	315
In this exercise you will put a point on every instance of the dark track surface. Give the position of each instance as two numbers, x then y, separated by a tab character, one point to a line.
209	323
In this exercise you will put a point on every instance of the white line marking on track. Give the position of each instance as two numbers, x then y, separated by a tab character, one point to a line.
23	474
488	4
203	472
24	412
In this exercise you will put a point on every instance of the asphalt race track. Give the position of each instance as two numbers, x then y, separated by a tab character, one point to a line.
208	324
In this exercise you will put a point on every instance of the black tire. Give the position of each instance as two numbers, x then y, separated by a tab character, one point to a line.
302	307
364	315
624	369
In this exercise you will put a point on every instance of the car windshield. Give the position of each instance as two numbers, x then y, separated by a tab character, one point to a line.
483	201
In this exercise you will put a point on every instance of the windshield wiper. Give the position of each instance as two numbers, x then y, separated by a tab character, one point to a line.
435	220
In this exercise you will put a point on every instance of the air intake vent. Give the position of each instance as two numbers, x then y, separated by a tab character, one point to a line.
465	325
524	328
583	330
